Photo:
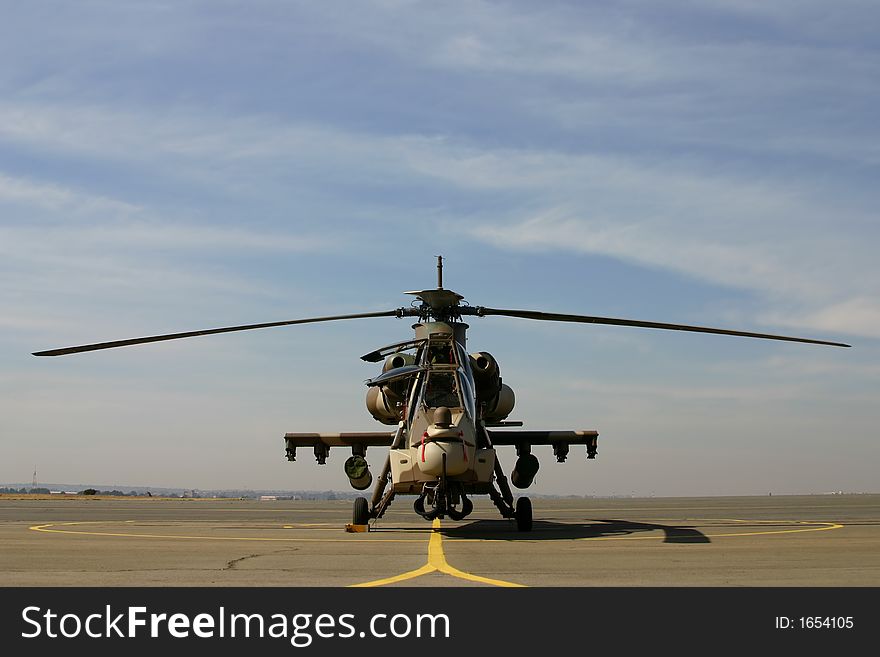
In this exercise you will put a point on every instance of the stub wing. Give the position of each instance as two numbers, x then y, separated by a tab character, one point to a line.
559	439
322	442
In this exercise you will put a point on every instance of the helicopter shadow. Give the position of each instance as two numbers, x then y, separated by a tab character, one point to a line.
544	530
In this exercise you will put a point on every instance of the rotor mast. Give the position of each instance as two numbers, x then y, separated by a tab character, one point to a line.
439	272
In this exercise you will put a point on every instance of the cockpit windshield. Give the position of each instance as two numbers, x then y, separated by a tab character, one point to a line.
441	390
441	354
447	378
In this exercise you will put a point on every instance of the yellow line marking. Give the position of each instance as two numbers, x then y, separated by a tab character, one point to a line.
44	528
437	562
418	572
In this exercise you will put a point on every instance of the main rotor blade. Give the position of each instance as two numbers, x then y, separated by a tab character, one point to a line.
191	334
586	319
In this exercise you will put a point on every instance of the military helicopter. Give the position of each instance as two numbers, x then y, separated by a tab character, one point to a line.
449	409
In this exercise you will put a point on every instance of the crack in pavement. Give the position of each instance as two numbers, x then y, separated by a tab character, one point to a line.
232	564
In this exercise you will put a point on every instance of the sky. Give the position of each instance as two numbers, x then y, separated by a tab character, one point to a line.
172	166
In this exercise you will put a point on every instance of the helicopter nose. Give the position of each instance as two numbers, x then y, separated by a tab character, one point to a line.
443	448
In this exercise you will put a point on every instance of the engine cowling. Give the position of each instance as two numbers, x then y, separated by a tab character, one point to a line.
500	406
396	390
487	375
381	407
397	360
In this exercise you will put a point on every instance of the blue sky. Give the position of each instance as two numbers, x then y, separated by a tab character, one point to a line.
170	166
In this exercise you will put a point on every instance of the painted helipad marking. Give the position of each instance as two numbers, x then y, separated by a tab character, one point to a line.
436	558
437	562
288	539
806	526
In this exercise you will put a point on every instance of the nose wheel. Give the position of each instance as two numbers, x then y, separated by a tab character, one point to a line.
442	504
460	514
419	507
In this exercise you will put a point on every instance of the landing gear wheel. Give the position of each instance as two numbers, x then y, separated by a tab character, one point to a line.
466	507
524	514
419	507
361	513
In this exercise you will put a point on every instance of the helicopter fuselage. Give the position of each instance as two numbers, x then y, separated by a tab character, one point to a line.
440	418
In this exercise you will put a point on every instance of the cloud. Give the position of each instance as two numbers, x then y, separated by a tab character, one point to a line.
809	259
57	199
70	227
858	315
782	238
808	295
143	235
747	394
69	257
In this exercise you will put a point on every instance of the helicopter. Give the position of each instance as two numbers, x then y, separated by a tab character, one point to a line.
448	407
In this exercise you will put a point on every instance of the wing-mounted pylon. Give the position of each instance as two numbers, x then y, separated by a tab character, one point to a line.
356	467
527	463
322	442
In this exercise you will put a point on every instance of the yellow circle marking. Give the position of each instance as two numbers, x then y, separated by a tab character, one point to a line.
45	528
812	526
436	558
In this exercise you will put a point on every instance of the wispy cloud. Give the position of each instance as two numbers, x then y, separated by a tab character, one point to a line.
743	394
779	239
773	235
59	199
